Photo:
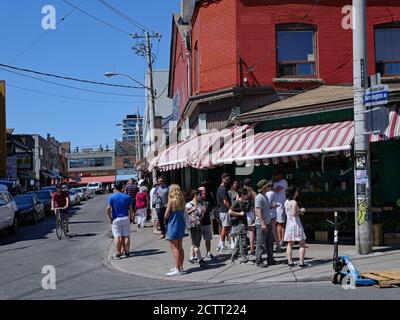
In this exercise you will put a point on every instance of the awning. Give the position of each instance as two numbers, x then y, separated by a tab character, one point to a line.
103	179
198	152
26	175
289	144
300	143
50	174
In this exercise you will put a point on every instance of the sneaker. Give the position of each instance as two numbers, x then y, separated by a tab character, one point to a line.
234	261
244	259
291	264
274	262
232	245
261	265
67	231
252	253
304	265
209	257
193	260
116	256
161	237
174	272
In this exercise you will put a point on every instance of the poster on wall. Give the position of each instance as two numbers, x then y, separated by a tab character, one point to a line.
361	158
12	168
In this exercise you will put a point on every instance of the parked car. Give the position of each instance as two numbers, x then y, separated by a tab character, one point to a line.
73	198
80	193
97	187
45	197
8	208
88	194
29	208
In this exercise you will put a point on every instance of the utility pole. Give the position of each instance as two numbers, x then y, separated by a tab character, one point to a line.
362	181
151	93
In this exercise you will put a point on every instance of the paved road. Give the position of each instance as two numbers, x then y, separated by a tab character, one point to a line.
81	272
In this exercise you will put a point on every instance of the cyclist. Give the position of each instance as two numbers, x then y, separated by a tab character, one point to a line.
60	200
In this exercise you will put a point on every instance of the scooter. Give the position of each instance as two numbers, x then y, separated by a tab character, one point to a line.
346	272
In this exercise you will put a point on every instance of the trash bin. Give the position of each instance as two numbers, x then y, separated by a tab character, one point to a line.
378	234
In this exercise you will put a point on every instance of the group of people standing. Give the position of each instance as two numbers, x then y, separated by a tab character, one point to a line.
252	219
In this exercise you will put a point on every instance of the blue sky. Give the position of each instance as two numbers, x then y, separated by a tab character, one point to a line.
83	48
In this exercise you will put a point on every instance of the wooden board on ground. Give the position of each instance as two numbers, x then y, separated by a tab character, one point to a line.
384	279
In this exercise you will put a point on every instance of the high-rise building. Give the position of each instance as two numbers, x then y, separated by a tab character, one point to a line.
131	126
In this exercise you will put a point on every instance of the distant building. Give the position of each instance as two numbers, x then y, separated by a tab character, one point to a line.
92	165
131	125
163	111
125	160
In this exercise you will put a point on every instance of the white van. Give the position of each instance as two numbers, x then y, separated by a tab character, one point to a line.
8	218
96	187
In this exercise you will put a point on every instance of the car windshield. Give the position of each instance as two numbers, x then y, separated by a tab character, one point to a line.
23	200
93	185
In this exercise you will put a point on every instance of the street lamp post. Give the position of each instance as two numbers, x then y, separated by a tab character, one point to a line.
151	95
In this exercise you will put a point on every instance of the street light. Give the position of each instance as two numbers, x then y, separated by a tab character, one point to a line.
151	95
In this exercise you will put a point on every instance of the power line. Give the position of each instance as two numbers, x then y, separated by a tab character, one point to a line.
97	19
72	87
125	17
69	78
159	96
66	97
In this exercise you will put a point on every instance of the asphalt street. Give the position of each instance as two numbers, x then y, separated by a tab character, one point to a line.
82	272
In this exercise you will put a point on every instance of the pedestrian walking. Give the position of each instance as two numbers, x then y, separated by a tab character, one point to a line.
251	217
263	225
175	219
239	222
119	210
160	200
279	187
205	223
294	229
224	203
142	201
154	217
131	189
195	212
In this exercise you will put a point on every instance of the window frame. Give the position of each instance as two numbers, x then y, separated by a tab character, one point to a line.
392	25
294	28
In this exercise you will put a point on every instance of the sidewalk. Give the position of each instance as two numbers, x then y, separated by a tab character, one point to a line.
152	258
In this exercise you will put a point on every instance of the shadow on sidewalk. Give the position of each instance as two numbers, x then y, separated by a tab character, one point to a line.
147	252
207	266
84	222
76	235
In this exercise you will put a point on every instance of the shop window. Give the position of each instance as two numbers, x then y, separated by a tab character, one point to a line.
127	163
296	50
387	49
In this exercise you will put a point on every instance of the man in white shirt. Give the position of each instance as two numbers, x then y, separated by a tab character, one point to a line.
279	187
154	217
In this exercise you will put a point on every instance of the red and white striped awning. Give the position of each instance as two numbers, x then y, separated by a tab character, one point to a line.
290	144
198	152
393	130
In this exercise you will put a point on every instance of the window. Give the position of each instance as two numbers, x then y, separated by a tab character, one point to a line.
296	50
387	47
90	162
127	163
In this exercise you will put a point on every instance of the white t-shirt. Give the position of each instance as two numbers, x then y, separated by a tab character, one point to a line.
271	195
151	195
281	195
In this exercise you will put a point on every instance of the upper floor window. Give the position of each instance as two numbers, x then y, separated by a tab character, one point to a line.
296	50
387	47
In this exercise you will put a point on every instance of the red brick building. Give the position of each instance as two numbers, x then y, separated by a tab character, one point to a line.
229	57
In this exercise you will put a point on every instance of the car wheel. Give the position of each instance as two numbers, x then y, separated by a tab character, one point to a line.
14	229
35	218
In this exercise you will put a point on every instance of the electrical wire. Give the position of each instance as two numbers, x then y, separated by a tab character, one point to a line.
125	17
66	97
159	96
69	78
72	87
95	18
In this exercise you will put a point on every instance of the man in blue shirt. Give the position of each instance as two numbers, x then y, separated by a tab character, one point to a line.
119	210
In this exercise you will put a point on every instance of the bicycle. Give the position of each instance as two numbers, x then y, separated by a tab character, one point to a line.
60	224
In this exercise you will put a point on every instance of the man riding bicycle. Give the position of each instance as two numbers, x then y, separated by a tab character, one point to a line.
60	200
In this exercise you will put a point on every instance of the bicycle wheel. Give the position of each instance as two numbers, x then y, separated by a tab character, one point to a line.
59	228
64	228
